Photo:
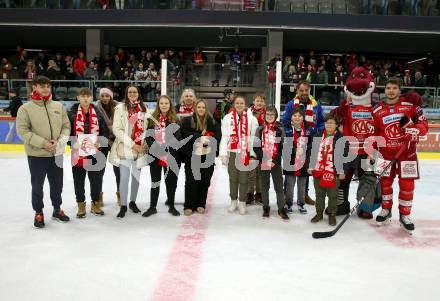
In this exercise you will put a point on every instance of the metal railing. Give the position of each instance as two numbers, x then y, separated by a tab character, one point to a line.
216	75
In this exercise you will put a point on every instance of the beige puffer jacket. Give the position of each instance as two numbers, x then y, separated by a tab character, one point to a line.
38	122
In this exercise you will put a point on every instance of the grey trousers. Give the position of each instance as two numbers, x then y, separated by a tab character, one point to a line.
321	193
289	186
126	168
254	182
277	176
238	180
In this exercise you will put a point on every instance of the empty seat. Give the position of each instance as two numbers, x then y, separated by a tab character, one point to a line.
312	6
325	7
353	7
283	6
23	93
72	92
61	93
339	7
236	5
297	6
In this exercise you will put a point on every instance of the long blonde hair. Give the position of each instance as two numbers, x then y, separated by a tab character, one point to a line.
202	123
171	114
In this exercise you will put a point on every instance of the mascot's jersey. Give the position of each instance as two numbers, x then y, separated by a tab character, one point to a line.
386	124
357	122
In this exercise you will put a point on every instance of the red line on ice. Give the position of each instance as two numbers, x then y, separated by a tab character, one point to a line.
179	277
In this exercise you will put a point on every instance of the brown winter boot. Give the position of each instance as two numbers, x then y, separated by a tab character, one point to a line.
118	196
258	199
317	218
308	200
81	210
332	219
96	209
100	200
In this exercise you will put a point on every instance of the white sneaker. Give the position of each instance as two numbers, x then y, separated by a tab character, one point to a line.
242	208
233	206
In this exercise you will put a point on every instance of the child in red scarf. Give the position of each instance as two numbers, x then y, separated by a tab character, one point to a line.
87	120
325	174
299	137
269	151
258	109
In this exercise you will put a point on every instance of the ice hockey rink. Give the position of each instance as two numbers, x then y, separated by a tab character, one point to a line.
217	256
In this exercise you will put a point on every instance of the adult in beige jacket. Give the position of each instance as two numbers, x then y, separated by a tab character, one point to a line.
44	127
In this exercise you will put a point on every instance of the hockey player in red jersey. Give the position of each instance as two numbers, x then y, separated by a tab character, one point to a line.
400	121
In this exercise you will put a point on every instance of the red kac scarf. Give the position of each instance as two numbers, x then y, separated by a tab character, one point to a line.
239	136
136	121
309	110
160	136
269	143
259	114
324	167
79	122
299	140
37	96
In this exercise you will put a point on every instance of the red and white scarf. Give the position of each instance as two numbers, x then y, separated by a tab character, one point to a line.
324	166
239	136
160	136
37	96
309	110
136	121
299	141
78	129
259	114
185	110
269	143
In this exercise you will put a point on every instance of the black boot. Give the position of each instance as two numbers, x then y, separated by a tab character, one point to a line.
343	209
133	207
250	198
122	212
173	211
266	211
282	213
39	220
149	212
60	216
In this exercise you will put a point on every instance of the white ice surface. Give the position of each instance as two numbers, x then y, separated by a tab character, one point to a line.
242	258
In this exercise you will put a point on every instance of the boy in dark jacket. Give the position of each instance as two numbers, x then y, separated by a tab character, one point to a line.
88	132
299	138
269	152
326	170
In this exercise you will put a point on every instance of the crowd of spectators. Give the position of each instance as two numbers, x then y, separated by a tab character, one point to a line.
377	7
330	71
185	67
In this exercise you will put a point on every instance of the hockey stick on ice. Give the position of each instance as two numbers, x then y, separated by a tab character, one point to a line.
355	207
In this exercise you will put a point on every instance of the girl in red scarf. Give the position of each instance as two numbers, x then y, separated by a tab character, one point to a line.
87	122
271	135
162	117
236	151
258	109
325	175
127	151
